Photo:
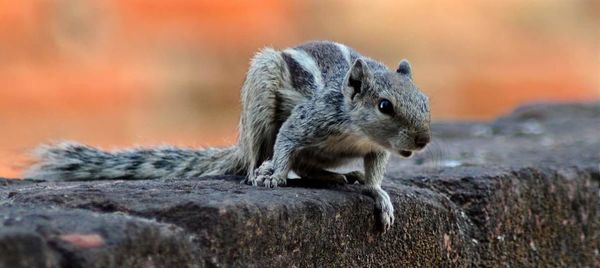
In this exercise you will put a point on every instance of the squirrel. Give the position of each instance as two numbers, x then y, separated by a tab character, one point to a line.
306	109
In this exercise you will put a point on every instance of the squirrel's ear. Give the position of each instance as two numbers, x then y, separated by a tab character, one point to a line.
356	78
404	68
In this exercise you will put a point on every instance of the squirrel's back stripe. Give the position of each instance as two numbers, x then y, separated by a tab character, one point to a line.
302	79
345	53
330	59
307	62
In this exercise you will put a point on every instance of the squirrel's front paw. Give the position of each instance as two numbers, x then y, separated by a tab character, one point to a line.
263	175
384	209
386	215
272	181
258	175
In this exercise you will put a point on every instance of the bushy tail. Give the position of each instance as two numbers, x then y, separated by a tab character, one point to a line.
72	161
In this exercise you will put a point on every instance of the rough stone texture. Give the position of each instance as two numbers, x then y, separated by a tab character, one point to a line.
520	191
35	236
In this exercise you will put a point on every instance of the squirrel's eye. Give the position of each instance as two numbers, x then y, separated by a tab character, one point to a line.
386	107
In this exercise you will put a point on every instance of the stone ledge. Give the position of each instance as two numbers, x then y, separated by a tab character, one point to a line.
519	191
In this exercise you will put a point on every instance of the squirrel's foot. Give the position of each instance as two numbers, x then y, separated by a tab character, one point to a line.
386	215
273	181
258	175
384	209
355	176
264	175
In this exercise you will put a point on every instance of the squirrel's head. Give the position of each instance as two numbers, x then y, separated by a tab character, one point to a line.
388	107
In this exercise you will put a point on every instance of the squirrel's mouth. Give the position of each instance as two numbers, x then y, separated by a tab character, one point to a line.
405	153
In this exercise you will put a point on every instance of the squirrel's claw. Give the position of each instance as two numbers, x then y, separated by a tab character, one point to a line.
267	183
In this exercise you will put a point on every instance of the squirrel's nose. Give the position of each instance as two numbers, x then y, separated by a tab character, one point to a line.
422	139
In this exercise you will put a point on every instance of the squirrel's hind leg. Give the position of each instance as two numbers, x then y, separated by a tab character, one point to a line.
267	101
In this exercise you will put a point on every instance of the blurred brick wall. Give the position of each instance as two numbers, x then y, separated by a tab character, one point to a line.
120	72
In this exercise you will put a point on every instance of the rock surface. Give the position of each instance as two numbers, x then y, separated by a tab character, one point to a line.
519	191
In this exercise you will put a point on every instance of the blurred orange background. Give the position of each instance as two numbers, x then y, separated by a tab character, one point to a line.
116	73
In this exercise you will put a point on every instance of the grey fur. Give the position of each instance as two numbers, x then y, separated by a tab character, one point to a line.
73	161
304	109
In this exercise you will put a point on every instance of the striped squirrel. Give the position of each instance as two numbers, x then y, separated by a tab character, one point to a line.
305	109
